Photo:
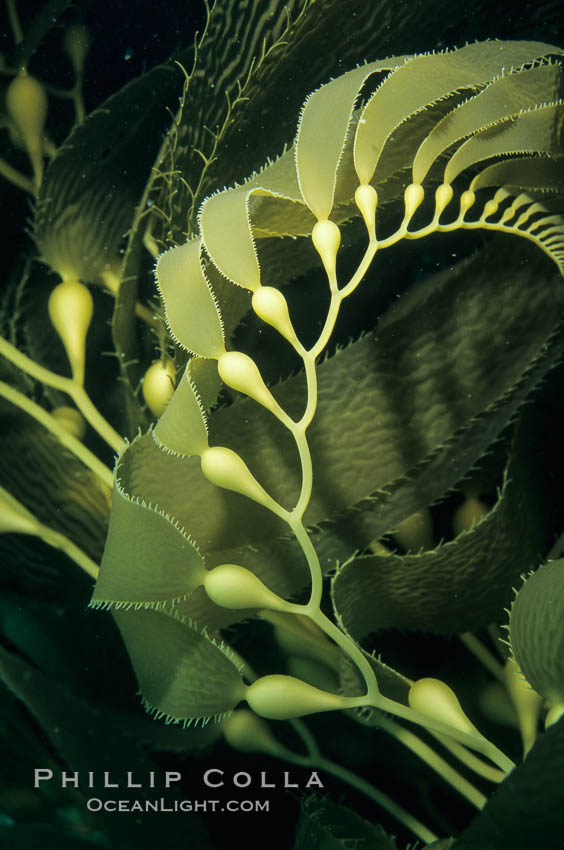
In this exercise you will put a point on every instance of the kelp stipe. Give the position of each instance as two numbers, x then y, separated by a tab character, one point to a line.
481	129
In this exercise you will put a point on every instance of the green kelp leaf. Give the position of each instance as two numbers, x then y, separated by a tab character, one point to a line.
211	515
232	89
525	811
536	631
182	673
182	427
148	560
322	131
234	303
459	586
505	96
530	174
191	310
324	825
426	79
226	232
538	130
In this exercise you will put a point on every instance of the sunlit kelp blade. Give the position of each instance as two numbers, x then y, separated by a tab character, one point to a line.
459	586
537	130
503	97
182	426
538	175
425	79
288	37
192	313
134	571
322	132
182	674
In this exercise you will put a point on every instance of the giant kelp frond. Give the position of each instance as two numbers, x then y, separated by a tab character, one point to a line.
228	477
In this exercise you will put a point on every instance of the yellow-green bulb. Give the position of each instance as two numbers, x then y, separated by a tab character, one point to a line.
366	199
225	468
233	586
240	372
443	197
70	310
435	699
158	386
270	305
26	103
71	420
279	697
412	198
76	44
326	238
415	532
247	733
468	514
467	200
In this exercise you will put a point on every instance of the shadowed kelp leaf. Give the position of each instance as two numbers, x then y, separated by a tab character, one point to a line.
326	826
87	198
37	463
459	586
23	836
536	633
76	727
182	673
526	809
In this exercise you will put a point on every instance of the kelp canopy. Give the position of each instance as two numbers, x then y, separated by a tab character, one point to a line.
324	448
